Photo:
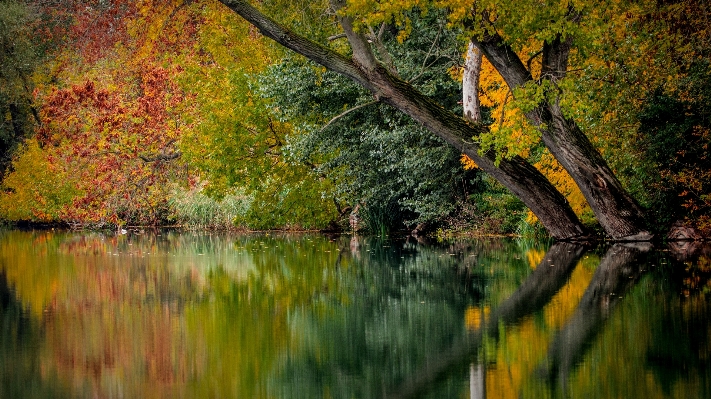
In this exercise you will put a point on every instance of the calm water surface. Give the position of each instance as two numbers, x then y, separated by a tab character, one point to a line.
198	315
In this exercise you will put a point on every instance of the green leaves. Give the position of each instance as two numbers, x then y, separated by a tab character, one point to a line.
237	142
375	156
20	55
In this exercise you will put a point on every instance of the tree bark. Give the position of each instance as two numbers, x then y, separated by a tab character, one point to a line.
524	180
616	211
470	84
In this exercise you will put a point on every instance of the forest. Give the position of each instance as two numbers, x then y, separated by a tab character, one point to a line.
571	119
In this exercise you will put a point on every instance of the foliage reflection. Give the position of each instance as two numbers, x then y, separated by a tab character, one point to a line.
167	314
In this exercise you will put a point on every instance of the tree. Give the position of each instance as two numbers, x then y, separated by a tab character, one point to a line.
646	106
20	54
236	142
617	212
570	47
364	68
111	117
121	146
380	160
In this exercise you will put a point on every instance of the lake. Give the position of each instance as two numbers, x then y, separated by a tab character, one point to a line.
168	314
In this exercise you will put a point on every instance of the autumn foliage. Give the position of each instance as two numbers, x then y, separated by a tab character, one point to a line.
143	99
121	148
113	123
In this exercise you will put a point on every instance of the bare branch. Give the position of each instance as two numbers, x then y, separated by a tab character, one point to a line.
336	37
376	41
341	115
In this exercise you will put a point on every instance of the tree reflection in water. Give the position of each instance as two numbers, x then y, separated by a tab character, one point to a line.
170	314
545	281
620	270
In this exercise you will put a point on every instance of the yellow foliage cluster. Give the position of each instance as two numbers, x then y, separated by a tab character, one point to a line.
468	163
510	133
459	10
36	189
565	184
376	12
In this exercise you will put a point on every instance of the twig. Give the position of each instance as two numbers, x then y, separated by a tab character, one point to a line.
346	112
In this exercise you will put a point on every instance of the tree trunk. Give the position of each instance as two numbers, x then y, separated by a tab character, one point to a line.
524	180
470	84
618	213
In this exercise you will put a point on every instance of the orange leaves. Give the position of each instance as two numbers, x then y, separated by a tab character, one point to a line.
114	111
565	184
468	163
117	141
95	25
510	133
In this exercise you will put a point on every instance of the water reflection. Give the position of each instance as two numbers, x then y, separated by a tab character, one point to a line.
548	277
620	269
167	314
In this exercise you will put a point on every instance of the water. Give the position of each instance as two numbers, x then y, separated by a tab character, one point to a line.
168	314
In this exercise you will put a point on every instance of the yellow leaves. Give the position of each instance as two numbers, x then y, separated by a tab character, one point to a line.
557	175
373	13
475	316
35	190
510	133
459	10
468	163
217	39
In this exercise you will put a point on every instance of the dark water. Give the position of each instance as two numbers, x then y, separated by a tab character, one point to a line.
154	315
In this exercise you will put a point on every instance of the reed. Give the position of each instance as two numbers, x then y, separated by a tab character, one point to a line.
194	209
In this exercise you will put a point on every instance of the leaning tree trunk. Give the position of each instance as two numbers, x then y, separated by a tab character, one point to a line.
519	176
618	213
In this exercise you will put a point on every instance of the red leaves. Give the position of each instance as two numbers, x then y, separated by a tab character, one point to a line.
104	135
117	128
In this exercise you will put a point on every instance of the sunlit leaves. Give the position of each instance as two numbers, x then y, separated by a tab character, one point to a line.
236	142
373	13
565	184
510	132
37	190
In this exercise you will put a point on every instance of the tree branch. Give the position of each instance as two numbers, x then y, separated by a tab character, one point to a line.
362	51
346	112
387	59
308	48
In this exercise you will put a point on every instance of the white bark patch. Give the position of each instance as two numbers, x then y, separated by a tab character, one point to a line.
470	84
